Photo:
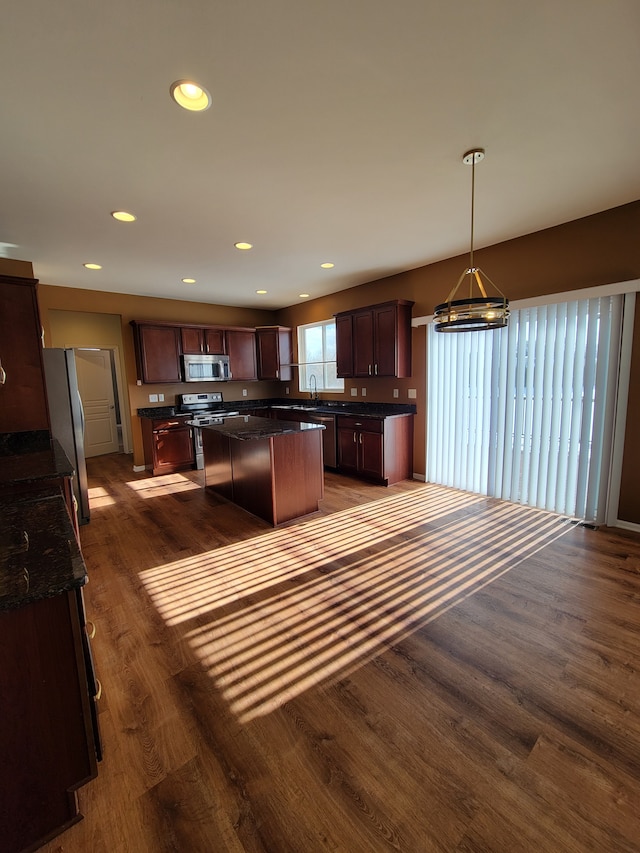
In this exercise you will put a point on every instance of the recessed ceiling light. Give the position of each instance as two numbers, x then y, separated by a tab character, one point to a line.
190	96
189	280
123	216
243	246
327	266
261	292
303	295
92	266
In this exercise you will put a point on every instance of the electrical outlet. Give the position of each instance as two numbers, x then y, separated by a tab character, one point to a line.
161	398
244	392
286	390
363	392
396	392
412	394
354	392
153	398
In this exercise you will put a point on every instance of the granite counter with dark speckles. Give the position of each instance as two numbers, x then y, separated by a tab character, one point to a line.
39	553
248	427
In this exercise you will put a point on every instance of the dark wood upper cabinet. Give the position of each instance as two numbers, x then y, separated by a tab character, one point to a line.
375	340
344	344
241	349
205	340
275	352
23	399
157	352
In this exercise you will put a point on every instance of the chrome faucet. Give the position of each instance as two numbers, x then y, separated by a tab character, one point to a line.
314	390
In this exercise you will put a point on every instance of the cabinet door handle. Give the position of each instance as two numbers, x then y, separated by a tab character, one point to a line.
91	629
360	438
3	375
376	369
355	440
98	690
25	576
369	370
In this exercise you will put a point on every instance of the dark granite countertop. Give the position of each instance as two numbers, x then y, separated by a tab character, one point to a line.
39	553
323	407
159	412
31	458
248	427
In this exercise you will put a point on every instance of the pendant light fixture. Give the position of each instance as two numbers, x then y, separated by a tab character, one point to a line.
473	313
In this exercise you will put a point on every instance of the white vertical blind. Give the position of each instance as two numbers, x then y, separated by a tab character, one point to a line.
526	413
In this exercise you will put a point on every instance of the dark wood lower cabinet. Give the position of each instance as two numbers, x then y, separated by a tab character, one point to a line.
380	449
168	445
48	745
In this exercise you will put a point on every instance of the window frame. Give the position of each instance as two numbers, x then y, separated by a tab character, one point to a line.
304	374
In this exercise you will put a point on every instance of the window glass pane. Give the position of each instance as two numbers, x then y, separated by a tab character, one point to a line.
313	349
330	342
317	357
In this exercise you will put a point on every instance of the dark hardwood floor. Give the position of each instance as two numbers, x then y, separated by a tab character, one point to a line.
412	669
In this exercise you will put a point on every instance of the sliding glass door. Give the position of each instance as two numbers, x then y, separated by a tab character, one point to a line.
526	413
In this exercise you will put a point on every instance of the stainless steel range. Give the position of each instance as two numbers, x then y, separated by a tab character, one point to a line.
205	409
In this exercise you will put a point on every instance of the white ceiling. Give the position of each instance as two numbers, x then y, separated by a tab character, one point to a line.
336	134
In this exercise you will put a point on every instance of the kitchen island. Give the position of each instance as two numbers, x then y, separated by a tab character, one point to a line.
273	469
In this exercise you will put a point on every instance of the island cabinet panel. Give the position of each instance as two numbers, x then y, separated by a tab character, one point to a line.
375	340
241	349
23	400
253	486
272	471
217	463
157	352
378	449
275	352
47	744
210	341
297	463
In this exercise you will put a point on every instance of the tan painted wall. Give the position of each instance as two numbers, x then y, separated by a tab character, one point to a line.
599	249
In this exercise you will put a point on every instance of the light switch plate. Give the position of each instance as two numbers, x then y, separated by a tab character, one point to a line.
161	398
396	392
363	392
354	392
244	392
412	394
153	398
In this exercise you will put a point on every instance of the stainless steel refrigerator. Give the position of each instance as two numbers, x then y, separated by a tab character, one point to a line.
67	417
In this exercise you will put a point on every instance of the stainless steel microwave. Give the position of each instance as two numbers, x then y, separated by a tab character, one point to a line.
205	368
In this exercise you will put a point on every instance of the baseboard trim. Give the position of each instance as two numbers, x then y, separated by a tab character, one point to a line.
421	477
627	525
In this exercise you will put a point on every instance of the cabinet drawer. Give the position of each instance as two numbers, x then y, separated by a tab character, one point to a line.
169	423
361	424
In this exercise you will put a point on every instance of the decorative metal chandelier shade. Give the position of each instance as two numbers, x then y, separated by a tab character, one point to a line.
473	313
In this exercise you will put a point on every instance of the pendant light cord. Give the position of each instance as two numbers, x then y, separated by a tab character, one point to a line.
473	193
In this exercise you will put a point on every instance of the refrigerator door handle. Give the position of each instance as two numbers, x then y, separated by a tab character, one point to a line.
81	411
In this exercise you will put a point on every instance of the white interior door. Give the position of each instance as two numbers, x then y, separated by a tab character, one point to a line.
95	383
